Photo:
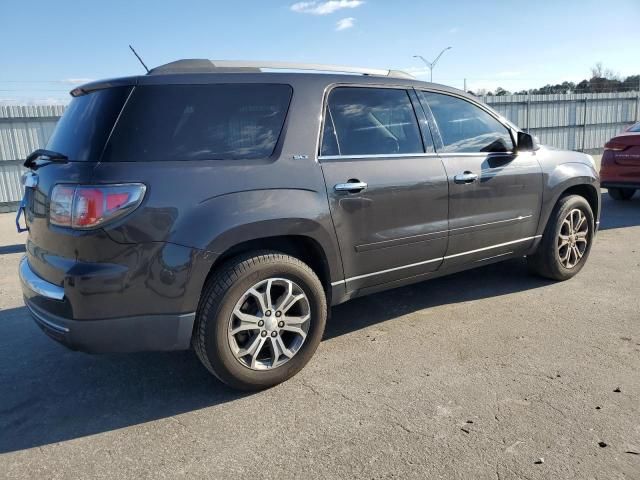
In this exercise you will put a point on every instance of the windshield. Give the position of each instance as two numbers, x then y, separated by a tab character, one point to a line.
83	129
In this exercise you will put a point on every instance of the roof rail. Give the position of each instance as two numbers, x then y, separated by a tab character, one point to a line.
233	66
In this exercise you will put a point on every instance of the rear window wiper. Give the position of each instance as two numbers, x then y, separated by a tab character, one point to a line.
50	157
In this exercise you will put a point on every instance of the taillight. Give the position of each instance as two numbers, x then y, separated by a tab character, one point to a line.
615	146
85	207
61	205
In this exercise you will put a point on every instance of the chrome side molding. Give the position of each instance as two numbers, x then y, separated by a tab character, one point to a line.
439	259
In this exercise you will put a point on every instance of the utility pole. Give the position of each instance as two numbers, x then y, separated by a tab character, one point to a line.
431	65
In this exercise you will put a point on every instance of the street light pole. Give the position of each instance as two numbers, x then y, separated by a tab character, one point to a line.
431	65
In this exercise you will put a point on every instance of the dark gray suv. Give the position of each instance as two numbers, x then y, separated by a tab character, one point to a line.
219	206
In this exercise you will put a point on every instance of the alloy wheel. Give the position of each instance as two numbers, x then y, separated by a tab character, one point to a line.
573	238
269	324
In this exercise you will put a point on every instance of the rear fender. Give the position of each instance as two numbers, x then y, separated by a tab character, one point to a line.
221	222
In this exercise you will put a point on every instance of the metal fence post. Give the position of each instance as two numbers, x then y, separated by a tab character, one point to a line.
638	103
584	124
528	110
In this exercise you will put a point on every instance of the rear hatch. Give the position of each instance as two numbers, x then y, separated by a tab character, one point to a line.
79	140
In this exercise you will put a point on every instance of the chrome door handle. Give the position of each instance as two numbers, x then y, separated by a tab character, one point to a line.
350	186
466	177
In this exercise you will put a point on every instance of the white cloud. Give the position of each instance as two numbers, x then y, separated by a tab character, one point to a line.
345	23
76	81
302	7
454	30
324	8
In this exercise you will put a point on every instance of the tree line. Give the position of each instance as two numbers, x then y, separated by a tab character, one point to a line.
602	81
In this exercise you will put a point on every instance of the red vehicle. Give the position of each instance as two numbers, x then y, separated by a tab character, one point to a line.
620	169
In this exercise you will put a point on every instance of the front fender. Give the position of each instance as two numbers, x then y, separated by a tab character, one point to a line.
561	178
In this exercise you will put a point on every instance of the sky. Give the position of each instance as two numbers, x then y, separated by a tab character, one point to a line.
48	47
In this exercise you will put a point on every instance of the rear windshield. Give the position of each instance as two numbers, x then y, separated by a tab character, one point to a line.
200	122
83	129
635	128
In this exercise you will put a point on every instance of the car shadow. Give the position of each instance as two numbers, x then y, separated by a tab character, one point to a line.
619	214
51	394
494	280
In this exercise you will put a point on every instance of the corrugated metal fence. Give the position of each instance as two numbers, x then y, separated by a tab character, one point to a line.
22	130
574	122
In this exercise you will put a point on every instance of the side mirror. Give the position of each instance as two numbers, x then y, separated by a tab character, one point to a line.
527	143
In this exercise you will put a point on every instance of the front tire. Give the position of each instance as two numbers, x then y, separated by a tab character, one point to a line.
621	194
566	242
260	319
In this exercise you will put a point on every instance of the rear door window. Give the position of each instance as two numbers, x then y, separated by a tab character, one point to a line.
83	129
466	128
370	121
200	122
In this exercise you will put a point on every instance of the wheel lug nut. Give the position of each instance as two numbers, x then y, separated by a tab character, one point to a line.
268	313
278	314
274	334
260	323
263	333
280	324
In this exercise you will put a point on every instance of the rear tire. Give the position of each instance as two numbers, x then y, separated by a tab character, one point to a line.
249	329
565	245
621	194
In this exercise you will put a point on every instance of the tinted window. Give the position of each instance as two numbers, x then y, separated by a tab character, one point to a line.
370	121
465	127
329	139
200	122
81	132
635	128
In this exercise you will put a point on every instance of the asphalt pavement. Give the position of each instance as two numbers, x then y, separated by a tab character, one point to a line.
486	374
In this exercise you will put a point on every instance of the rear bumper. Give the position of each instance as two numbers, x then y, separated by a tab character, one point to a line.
38	285
633	184
124	334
